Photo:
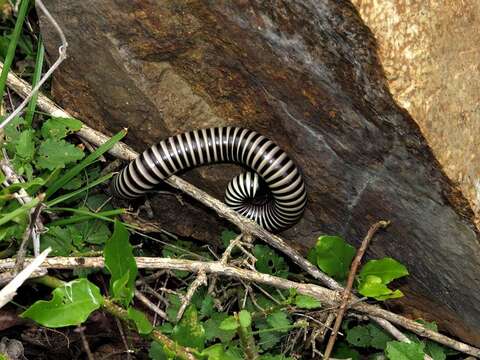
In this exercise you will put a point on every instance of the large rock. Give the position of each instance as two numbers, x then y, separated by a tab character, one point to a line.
304	73
429	50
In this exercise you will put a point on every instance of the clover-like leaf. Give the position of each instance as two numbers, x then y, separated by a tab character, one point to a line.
25	146
230	323
60	239
306	302
58	128
213	330
189	331
398	350
53	153
269	262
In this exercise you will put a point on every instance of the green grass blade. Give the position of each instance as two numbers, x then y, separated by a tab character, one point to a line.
86	213
12	46
65	197
17	212
80	218
36	78
94	215
69	175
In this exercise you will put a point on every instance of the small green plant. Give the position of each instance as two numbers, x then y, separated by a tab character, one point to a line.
333	255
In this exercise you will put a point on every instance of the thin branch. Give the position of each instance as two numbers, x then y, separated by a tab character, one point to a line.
35	226
224	260
150	305
30	232
348	289
326	296
86	346
200	280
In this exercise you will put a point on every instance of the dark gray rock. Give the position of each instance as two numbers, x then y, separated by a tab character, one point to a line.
306	74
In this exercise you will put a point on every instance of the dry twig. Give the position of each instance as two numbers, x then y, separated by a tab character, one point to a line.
150	305
348	289
200	280
31	231
86	346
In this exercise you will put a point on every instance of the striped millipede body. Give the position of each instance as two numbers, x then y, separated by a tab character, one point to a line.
272	194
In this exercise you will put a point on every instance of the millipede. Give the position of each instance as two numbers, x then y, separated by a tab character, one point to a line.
271	192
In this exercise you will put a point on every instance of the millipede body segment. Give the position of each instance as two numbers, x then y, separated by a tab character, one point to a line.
272	193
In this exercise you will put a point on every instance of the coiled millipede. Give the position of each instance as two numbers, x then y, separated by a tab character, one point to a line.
273	194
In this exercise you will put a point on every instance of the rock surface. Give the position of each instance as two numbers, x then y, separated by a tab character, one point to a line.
306	74
429	50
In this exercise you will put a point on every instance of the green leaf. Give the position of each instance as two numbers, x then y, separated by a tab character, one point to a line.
376	274
71	305
334	256
227	236
121	290
159	352
214	352
244	318
12	230
274	357
230	323
397	350
58	128
144	327
73	172
379	337
120	262
25	146
174	303
428	325
372	286
268	337
206	308
279	321
387	269
436	351
269	262
189	331
94	232
307	302
54	153
74	184
60	239
13	130
343	351
220	352
359	336
213	331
